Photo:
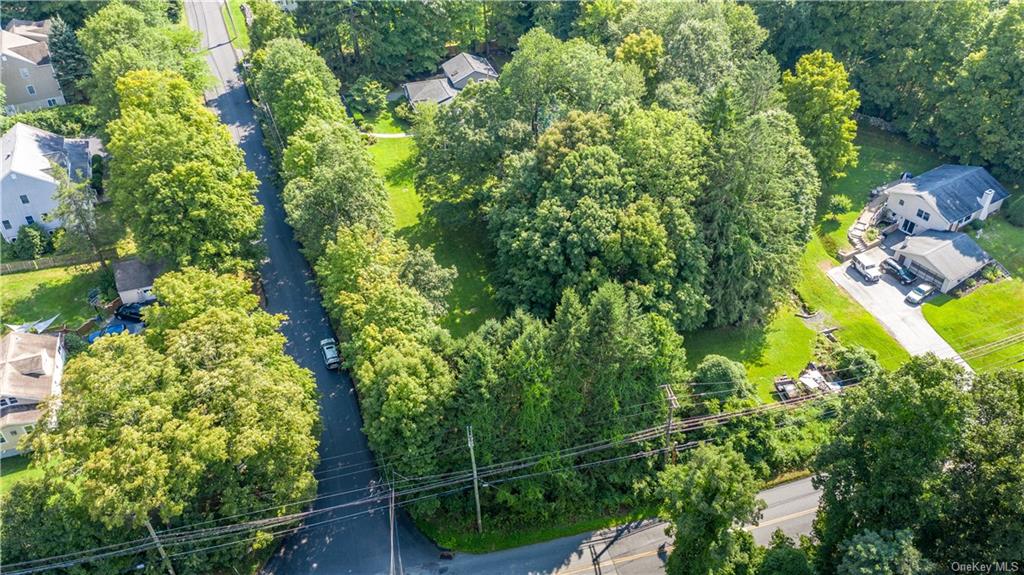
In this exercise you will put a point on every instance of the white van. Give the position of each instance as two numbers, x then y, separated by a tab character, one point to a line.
868	267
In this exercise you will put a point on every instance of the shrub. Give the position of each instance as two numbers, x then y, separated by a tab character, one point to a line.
75	121
838	205
96	181
30	243
368	95
1015	213
830	244
991	273
74	344
871	234
976	225
405	112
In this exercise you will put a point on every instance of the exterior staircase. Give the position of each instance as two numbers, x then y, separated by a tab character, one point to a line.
868	217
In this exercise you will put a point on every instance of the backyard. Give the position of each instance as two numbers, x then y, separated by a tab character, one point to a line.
986	327
41	294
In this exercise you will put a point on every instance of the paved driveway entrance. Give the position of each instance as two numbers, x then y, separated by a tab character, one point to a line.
904	322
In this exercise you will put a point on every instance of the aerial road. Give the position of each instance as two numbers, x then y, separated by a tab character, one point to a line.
359	540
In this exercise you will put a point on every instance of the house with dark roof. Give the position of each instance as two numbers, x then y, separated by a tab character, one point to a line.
25	67
134	279
458	72
946	259
31	367
27	183
945	198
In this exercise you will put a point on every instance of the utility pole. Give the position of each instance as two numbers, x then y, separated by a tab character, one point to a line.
160	547
476	483
673	405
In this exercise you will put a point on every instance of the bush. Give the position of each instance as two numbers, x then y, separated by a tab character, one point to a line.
405	112
96	181
30	242
871	234
830	245
75	121
1015	213
368	96
74	344
838	205
976	225
991	273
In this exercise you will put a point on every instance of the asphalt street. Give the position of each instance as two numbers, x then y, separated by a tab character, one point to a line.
339	542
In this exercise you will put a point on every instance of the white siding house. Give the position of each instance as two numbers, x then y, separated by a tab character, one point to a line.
25	67
31	368
944	199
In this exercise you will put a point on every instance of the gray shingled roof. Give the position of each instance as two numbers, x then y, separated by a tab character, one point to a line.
135	274
436	90
955	190
28	150
463	64
953	254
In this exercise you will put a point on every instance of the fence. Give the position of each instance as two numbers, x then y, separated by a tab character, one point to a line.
54	262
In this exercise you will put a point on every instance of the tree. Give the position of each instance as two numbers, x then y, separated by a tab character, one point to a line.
29	244
70	65
838	205
645	49
706	500
882	553
819	96
269	22
331	182
368	95
119	39
721	378
894	437
783	558
76	211
1015	213
855	362
177	178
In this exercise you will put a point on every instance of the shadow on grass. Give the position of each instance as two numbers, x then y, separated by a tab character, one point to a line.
42	294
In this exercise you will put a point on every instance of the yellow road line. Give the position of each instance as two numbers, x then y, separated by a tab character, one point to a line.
771	522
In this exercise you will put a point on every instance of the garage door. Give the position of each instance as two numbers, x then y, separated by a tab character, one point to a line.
926	274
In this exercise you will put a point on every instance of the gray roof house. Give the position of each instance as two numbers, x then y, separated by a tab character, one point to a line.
945	198
946	259
134	279
25	67
31	368
458	72
27	184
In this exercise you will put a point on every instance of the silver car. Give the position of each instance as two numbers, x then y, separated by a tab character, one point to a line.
919	293
332	358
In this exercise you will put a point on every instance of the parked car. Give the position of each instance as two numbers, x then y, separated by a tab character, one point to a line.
896	269
919	293
332	358
867	268
109	330
132	311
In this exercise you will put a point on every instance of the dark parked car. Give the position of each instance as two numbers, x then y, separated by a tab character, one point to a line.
132	311
902	274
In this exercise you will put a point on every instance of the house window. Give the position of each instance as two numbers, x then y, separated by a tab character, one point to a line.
901	202
8	401
7	224
30	220
51	102
923	215
31	90
24	199
24	73
2	438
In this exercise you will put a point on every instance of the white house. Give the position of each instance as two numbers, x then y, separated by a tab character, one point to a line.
945	198
25	67
31	368
134	279
946	259
458	72
27	185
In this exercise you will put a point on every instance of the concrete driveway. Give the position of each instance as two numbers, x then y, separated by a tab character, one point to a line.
884	300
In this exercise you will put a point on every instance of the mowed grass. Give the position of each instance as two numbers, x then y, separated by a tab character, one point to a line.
985	326
471	301
36	295
1003	241
232	12
386	122
15	469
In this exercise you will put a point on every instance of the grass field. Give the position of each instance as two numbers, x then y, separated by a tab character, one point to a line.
15	469
1003	241
386	122
472	299
232	12
36	295
981	325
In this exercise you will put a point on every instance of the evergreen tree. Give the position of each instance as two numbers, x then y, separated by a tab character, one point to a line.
70	65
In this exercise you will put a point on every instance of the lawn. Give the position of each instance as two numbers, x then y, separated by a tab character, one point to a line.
1003	241
15	469
981	325
472	299
235	22
386	122
36	295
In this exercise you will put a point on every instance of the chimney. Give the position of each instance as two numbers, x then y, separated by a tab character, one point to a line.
986	202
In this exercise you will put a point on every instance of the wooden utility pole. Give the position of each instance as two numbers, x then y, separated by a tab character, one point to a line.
476	483
673	405
160	547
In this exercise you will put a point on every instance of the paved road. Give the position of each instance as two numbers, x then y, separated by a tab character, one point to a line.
906	323
360	545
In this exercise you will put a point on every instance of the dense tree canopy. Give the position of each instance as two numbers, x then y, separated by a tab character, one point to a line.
269	22
176	177
70	66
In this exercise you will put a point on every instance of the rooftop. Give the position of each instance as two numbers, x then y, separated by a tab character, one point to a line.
956	191
29	151
463	64
953	254
135	274
27	365
436	90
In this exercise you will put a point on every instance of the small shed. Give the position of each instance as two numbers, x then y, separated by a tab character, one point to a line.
134	279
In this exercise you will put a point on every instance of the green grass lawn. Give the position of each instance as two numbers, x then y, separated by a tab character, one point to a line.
1003	241
15	469
31	296
472	299
239	33
982	318
386	122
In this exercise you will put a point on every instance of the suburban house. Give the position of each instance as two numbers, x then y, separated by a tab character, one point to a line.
944	199
946	259
25	67
458	72
31	366
134	279
27	185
